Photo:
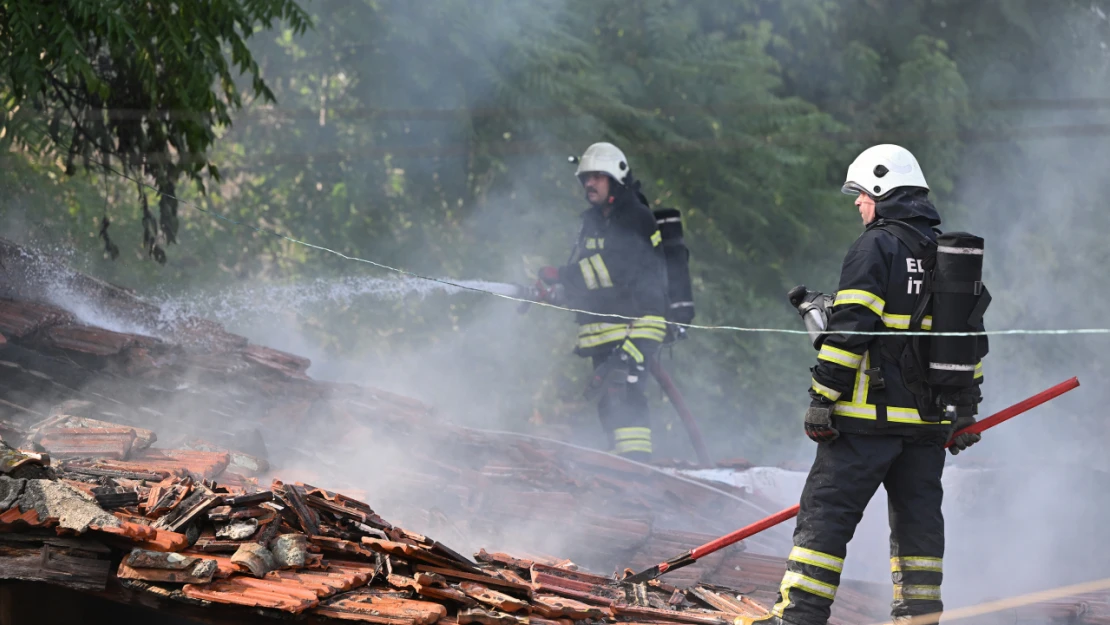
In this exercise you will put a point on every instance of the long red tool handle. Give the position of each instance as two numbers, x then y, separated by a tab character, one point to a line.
679	402
976	428
746	532
1009	413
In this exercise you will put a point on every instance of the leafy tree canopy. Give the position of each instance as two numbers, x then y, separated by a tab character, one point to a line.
143	84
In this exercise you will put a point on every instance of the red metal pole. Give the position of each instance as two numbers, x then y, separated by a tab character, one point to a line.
746	532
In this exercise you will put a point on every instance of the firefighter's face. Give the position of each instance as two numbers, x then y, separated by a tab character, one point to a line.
596	185
866	206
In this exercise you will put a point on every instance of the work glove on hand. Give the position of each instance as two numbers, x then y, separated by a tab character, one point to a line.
963	441
549	275
547	288
819	427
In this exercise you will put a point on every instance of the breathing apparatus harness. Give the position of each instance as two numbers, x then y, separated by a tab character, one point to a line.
938	370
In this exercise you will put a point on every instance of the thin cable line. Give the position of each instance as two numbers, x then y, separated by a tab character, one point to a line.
405	272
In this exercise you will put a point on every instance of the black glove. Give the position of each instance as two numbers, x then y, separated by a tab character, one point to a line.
819	427
963	441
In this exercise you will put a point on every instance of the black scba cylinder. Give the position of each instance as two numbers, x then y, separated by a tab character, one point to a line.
957	289
680	290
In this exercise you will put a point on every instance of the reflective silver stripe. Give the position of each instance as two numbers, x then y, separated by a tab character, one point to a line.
588	274
818	559
914	592
668	220
916	563
808	584
950	366
970	251
682	304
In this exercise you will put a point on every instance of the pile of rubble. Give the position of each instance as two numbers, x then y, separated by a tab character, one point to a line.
166	531
90	502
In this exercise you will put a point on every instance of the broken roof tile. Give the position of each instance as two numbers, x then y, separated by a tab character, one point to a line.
143	437
14	518
377	609
234	591
494	599
110	442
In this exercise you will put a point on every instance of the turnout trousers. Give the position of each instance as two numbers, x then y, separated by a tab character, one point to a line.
623	407
845	475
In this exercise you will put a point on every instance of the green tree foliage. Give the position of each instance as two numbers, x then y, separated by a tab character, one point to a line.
144	83
434	136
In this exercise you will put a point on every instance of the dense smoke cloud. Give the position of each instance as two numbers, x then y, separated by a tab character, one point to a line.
1022	507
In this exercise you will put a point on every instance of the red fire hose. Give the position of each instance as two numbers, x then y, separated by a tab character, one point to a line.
675	396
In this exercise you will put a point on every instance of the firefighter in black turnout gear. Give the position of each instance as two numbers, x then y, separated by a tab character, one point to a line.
617	267
881	407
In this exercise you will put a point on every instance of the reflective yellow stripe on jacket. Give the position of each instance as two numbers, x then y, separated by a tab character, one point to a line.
839	356
649	328
863	298
594	272
859	408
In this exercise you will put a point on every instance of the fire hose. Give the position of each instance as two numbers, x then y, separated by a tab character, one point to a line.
697	553
676	398
660	374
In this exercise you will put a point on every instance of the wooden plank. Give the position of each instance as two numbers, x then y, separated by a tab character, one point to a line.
246	500
199	573
488	580
697	618
293	497
191	508
412	553
81	565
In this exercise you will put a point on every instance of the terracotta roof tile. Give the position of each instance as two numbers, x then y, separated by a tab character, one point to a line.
14	518
234	591
113	442
375	609
20	318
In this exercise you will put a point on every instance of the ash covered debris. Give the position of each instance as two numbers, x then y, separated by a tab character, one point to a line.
173	429
308	550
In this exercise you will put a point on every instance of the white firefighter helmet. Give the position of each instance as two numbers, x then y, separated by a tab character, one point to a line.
880	169
605	158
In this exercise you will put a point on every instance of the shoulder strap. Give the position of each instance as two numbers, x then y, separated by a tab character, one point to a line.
919	244
923	248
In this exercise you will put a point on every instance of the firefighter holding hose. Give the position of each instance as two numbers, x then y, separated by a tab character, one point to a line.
617	267
883	407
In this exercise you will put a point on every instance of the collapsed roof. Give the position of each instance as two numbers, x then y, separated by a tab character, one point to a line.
161	457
